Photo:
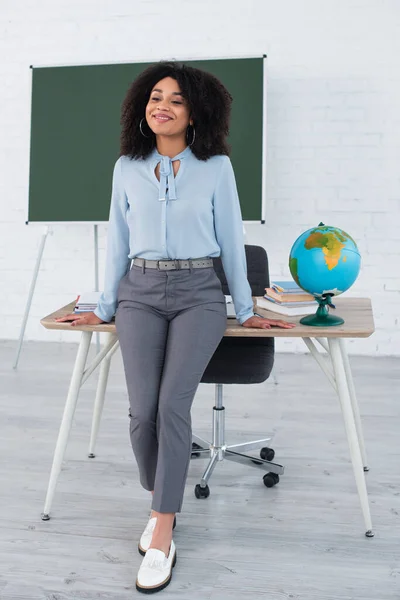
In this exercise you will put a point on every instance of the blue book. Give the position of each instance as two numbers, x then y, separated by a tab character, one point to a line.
286	287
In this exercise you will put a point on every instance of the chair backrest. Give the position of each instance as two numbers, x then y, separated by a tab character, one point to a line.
257	270
243	359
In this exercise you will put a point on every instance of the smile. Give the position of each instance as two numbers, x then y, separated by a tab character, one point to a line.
162	118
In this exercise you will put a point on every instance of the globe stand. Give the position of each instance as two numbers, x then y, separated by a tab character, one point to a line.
322	318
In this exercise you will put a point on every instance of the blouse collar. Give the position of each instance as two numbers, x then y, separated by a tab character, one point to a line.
167	178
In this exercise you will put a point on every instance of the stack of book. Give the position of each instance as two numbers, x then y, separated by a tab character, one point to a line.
87	302
287	298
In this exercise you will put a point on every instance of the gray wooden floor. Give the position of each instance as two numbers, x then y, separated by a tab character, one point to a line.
303	539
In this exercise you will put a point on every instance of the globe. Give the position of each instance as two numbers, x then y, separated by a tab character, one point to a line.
325	262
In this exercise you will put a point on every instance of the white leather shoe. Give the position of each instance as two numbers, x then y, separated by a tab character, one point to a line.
145	540
156	570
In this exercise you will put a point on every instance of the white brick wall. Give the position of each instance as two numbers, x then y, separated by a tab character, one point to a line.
333	134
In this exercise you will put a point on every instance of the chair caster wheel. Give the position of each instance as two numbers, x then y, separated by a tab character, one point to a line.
194	448
201	492
270	479
267	453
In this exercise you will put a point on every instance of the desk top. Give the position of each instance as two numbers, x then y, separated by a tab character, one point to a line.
356	312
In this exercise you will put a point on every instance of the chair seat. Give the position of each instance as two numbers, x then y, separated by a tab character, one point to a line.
240	360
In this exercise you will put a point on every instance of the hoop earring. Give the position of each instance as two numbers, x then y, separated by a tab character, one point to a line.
194	135
141	130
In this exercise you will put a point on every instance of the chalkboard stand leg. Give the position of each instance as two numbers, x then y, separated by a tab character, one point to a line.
46	232
96	275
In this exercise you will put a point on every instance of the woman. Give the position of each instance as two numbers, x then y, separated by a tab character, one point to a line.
174	207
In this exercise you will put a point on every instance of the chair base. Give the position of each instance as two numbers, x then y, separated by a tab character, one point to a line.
217	451
214	453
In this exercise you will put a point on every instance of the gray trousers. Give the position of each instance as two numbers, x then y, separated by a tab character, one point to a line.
169	324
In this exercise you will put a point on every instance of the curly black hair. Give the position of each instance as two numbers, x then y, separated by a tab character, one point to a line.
209	105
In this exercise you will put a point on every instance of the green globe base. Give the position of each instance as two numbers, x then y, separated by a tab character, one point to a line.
321	321
322	318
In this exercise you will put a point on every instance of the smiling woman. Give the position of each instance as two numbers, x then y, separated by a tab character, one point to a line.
174	208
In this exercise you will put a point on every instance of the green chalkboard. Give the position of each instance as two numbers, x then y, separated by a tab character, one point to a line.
75	136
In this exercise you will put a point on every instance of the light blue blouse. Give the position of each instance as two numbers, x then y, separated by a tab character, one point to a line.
195	214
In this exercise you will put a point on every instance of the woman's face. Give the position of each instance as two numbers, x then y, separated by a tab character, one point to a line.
167	112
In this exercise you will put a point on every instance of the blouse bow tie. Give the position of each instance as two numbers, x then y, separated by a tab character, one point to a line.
167	179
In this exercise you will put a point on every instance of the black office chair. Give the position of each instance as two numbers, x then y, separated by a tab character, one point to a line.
238	360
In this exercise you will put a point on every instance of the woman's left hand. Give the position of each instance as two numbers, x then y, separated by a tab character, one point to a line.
261	323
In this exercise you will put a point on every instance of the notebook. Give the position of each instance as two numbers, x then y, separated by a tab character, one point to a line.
230	308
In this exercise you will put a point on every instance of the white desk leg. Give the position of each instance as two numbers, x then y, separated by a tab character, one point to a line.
354	403
351	431
100	394
66	422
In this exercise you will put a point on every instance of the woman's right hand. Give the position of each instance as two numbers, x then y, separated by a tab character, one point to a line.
79	319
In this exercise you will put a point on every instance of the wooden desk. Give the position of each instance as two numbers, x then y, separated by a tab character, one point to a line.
334	362
357	313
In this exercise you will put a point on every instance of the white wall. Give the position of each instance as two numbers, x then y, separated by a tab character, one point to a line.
333	135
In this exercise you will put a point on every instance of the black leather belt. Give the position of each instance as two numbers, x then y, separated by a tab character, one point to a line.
168	265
